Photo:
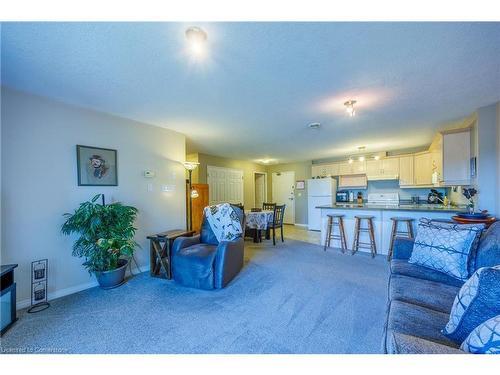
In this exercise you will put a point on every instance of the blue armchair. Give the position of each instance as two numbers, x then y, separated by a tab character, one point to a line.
204	263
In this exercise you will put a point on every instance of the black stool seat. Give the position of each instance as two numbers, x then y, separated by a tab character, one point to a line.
335	215
364	217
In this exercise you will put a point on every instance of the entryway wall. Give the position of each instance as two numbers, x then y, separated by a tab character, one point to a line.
248	168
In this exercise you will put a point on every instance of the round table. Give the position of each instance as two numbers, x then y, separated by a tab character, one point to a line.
258	221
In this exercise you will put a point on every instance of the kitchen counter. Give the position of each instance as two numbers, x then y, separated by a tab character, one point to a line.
400	207
382	222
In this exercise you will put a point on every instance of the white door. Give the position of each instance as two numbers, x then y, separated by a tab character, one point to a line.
225	185
260	189
284	193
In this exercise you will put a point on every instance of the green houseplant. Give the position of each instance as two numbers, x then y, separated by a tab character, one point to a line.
106	238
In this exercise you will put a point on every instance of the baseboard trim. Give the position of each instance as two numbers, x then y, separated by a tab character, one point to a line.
300	225
22	304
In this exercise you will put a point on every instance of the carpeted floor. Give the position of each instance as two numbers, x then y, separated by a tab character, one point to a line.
292	298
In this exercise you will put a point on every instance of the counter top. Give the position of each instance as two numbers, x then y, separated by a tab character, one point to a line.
401	207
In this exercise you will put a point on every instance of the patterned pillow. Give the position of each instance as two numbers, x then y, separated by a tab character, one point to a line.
485	339
445	247
477	301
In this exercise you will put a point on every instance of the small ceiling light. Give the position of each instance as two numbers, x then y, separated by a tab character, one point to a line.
190	165
350	161
314	125
349	107
361	158
376	157
197	39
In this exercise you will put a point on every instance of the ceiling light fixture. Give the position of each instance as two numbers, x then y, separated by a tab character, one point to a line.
376	157
197	39
349	107
314	125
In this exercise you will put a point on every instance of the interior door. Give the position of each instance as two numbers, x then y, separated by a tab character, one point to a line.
225	185
284	193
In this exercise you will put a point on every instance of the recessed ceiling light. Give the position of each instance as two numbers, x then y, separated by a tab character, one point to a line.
314	125
197	38
349	107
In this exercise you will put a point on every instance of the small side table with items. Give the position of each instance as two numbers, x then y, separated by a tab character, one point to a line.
161	251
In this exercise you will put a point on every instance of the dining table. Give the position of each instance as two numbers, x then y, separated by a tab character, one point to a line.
258	222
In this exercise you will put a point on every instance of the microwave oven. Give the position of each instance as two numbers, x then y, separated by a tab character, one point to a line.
342	196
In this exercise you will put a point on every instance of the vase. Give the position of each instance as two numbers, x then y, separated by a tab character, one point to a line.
112	279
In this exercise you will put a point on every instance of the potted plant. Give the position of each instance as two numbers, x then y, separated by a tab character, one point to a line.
469	193
106	238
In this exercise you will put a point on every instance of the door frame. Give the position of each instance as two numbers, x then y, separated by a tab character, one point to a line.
265	185
294	197
214	167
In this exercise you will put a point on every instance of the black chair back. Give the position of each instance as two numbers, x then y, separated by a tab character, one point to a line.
279	212
268	206
240	205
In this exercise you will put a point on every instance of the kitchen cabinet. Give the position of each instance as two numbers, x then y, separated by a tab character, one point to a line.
345	168
383	169
456	157
352	181
356	167
325	170
406	170
423	168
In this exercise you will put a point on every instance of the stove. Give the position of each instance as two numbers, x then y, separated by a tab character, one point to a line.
384	199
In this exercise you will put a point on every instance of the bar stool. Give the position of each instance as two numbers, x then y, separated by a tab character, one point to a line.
335	220
395	232
358	229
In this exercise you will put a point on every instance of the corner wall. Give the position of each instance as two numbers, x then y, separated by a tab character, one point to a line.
39	183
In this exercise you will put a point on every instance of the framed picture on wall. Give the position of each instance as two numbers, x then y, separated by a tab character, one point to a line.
300	185
96	166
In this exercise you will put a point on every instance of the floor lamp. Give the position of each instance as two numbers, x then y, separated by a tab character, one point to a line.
190	167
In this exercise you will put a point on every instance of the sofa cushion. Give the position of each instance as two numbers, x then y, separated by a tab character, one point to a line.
402	267
484	339
430	294
417	321
477	301
488	252
445	248
398	343
194	266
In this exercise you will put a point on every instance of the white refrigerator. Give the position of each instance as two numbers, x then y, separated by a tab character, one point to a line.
320	192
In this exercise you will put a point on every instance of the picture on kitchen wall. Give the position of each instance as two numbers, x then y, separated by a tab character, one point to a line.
96	166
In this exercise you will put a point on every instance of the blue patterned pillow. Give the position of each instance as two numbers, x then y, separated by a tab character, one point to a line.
477	301
445	247
485	339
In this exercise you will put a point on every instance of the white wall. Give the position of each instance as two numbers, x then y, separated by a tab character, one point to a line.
39	182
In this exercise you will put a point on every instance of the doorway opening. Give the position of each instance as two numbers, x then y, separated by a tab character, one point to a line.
260	189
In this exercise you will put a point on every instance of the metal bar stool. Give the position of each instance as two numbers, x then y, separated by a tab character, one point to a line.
358	229
395	232
335	220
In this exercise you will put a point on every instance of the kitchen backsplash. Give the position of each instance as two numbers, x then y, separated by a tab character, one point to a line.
392	186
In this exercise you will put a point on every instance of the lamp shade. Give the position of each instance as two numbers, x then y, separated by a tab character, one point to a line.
190	165
194	194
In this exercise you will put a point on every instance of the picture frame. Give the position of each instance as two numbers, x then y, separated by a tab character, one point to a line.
96	166
300	185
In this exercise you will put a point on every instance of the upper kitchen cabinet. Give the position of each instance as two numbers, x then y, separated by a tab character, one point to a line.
406	170
382	169
356	167
456	157
324	170
423	168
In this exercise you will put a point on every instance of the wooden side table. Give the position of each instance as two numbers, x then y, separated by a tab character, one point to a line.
160	251
488	221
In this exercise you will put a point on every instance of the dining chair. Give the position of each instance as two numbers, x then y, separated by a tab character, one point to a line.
279	212
268	206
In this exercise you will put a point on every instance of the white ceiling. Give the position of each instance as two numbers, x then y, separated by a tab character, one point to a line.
262	83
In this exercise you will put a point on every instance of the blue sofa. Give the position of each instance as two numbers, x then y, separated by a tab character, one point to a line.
204	263
420	299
